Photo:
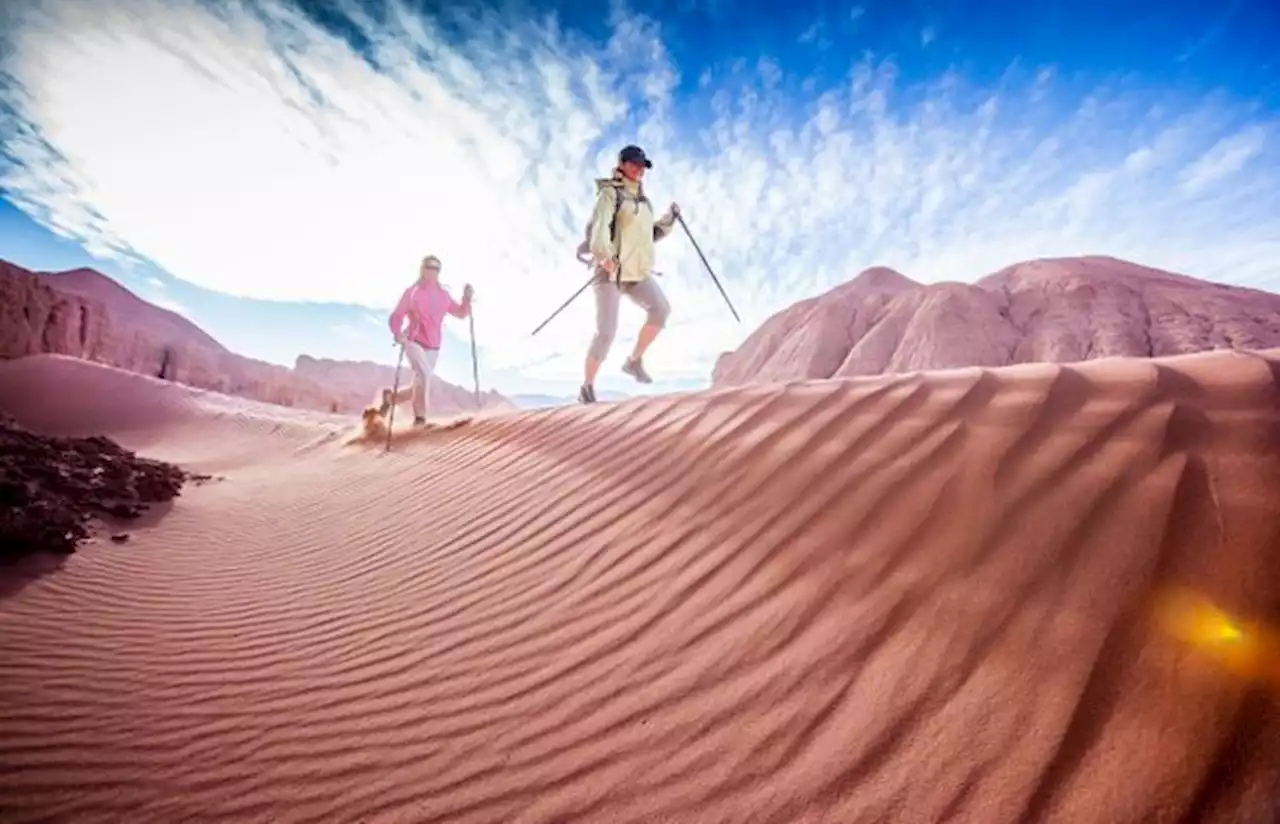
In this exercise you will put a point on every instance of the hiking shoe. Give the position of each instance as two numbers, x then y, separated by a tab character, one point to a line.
418	423
587	394
635	369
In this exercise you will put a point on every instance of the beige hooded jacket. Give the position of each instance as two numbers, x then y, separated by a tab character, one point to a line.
635	233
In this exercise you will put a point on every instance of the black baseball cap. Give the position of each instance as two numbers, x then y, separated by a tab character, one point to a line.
634	154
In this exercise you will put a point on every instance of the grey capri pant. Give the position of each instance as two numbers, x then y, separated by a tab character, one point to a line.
645	293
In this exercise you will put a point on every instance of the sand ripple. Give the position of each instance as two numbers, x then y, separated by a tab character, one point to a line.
912	599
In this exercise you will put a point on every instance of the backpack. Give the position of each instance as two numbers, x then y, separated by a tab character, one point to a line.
584	248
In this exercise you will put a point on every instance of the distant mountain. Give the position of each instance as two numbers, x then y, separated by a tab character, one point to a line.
540	401
536	401
88	315
127	308
1057	310
357	382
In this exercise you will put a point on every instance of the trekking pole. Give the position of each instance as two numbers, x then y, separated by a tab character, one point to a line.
395	390
475	362
711	272
565	305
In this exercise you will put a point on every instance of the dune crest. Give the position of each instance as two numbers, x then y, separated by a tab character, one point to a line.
917	598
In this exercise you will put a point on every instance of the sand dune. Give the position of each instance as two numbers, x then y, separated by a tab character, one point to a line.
906	598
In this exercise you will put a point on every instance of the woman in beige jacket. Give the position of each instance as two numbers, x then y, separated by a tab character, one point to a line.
620	238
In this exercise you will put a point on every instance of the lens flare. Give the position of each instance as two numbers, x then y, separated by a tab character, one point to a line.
1247	649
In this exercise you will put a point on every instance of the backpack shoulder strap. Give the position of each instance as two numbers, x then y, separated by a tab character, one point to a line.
618	197
617	207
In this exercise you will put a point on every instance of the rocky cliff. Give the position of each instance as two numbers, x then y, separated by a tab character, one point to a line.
1057	310
35	318
85	314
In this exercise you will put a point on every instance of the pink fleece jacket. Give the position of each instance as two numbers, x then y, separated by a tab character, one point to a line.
425	306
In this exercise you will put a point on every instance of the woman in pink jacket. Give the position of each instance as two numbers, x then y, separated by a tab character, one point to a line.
424	304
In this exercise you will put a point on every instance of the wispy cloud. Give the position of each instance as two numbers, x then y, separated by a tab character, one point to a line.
244	148
1223	160
1210	34
171	305
348	331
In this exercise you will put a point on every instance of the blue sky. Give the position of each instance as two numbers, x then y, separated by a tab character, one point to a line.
275	171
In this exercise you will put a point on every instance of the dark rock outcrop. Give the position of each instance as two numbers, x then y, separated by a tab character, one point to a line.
51	488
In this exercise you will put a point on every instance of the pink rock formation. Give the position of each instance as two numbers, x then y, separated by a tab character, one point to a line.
1056	310
354	383
127	309
85	314
34	318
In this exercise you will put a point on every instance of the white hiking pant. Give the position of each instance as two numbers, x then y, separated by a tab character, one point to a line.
645	293
423	363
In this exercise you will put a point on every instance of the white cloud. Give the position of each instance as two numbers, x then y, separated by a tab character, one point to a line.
818	36
927	35
1139	160
770	72
247	150
1210	34
350	332
1228	156
171	305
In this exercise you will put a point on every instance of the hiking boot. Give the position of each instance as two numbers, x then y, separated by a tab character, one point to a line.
418	423
635	368
587	394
